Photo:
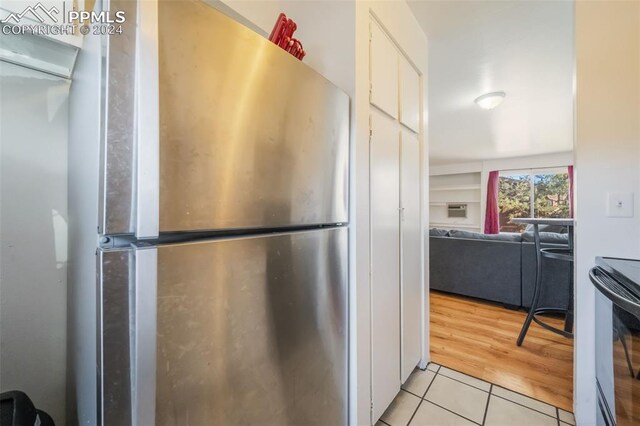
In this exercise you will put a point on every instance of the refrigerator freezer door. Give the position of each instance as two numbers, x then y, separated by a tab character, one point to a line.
128	121
117	121
250	137
246	330
253	331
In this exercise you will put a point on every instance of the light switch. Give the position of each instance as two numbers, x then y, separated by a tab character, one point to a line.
619	204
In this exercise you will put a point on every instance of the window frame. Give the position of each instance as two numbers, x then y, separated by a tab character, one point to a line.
532	173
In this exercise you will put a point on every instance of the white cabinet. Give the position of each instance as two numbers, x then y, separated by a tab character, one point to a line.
410	254
383	69
385	266
395	215
409	95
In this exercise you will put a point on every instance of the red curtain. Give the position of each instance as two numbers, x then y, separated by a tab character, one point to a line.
570	173
492	216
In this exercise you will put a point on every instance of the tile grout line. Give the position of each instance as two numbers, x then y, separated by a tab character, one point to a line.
383	422
440	406
510	390
486	407
530	397
422	397
415	412
490	392
453	412
409	392
524	406
460	381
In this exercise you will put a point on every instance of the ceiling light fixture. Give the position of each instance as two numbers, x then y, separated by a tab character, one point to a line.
490	100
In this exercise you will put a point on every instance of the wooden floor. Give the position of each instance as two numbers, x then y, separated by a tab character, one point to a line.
479	338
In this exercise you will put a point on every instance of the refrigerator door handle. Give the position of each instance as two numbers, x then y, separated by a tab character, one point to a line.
143	374
148	122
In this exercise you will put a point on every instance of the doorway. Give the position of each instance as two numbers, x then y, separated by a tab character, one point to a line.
514	153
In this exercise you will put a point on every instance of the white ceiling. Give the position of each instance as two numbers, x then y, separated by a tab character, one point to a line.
524	48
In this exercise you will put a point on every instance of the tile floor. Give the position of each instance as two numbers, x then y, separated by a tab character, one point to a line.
440	396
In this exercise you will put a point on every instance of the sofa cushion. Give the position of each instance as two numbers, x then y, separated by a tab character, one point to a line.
488	270
547	237
438	232
505	236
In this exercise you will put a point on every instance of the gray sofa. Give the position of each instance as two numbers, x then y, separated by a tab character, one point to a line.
500	268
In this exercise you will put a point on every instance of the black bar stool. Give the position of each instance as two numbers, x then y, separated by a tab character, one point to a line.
562	254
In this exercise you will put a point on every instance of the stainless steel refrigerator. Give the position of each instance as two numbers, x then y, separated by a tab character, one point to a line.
214	166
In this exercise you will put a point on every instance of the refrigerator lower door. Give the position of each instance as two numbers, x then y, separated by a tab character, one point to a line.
249	331
127	336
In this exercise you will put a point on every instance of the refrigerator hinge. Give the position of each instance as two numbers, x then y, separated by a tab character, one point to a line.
111	242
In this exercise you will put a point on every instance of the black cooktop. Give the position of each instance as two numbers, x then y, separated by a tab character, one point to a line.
625	271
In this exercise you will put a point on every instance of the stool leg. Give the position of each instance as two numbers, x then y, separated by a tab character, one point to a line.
568	321
532	310
536	292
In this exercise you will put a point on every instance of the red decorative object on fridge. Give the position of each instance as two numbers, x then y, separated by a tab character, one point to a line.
282	35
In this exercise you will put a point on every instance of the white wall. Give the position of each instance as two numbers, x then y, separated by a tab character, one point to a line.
325	29
607	158
33	236
439	198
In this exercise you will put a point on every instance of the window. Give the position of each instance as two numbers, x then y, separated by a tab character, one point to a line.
532	193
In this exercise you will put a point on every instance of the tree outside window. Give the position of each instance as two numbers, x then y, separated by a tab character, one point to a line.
532	193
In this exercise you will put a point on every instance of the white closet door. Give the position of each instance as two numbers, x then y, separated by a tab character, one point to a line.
409	95
385	261
411	297
383	71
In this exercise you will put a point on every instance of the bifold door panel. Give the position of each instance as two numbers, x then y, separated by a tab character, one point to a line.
409	95
411	253
383	71
385	254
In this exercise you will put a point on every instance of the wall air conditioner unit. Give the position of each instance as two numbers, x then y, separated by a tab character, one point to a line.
456	210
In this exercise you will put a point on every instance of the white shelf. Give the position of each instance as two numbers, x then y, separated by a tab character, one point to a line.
455	188
442	203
